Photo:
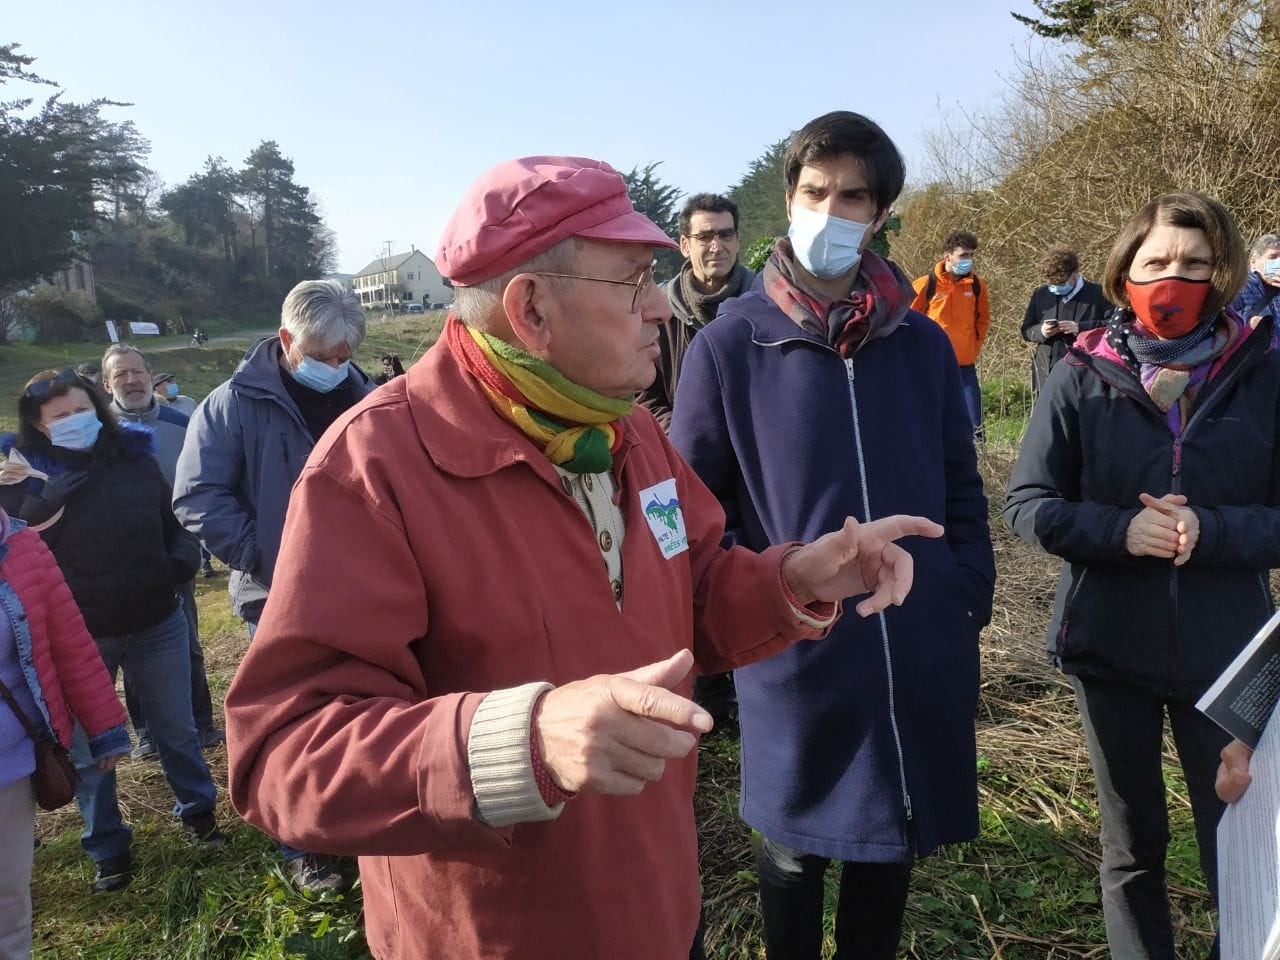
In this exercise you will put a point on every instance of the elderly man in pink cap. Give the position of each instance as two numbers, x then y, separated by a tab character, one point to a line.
496	576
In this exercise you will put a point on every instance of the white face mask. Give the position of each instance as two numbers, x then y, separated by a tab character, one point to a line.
826	246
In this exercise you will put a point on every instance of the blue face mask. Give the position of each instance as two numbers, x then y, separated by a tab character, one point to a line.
962	268
1061	289
1271	268
76	432
171	391
321	377
826	246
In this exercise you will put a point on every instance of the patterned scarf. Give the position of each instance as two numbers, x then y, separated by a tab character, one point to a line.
578	429
1172	371
705	305
879	301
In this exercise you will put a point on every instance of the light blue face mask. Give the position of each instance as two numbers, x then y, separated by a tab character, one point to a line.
1061	289
171	391
321	377
962	267
826	246
1271	268
76	432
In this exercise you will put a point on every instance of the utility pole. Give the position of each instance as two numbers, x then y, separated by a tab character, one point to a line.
386	287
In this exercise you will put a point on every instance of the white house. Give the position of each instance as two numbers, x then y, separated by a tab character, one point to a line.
399	280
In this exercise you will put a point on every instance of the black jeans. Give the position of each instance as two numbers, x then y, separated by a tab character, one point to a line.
716	694
873	897
1124	727
699	950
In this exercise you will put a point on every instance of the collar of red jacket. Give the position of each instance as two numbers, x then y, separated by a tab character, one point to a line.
460	430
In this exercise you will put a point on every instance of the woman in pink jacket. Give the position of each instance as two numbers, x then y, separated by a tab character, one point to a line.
51	667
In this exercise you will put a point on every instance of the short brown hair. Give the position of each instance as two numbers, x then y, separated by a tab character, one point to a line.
959	240
1059	264
1194	211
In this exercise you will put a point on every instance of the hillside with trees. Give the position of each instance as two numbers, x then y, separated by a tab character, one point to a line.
226	243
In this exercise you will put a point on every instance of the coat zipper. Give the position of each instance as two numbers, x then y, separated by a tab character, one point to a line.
1175	486
1175	475
884	623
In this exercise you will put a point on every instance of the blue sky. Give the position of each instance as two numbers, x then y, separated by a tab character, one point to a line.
389	110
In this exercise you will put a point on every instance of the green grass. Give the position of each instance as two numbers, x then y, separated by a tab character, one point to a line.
1025	890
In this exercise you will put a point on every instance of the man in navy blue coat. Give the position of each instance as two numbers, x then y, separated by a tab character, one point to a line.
820	394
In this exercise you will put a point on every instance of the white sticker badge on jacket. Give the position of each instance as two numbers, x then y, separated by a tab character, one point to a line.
661	506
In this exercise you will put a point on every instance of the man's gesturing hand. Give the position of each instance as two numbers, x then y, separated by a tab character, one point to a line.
858	558
614	733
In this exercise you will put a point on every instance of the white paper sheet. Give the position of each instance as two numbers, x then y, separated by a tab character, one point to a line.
1249	860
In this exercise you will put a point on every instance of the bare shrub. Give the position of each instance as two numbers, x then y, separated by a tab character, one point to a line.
1183	95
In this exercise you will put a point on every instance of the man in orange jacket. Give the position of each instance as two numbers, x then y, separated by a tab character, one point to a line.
952	295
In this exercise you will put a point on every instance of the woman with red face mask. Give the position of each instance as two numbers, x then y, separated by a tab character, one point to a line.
1150	467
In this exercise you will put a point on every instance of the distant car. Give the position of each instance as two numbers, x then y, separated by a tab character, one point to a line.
437	306
416	308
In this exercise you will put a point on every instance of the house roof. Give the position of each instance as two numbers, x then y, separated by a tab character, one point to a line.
388	264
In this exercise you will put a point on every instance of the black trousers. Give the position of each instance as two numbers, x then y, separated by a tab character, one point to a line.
873	897
1124	727
715	693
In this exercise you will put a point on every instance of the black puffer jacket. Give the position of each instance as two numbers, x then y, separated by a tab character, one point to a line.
117	540
1095	442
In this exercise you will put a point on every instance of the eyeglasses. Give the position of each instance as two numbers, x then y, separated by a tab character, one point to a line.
640	285
706	236
39	389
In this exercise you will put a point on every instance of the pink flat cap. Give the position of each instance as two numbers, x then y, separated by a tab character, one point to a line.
523	207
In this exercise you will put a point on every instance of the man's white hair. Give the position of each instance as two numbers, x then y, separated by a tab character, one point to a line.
323	314
474	305
1268	241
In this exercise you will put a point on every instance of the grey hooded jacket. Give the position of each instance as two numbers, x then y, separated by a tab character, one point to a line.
246	445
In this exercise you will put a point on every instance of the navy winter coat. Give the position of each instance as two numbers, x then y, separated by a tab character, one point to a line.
1257	298
861	746
246	444
1096	441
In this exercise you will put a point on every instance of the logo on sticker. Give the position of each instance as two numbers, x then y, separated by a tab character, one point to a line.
661	506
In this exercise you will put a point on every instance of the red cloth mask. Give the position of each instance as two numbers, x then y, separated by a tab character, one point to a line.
1168	307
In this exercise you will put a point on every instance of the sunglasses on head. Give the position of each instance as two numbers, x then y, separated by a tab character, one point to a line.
39	389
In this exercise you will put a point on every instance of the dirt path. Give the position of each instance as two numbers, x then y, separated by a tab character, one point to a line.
240	336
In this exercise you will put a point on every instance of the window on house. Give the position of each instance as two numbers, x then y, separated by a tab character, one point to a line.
79	276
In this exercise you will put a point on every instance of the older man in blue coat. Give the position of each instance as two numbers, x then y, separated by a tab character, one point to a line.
815	395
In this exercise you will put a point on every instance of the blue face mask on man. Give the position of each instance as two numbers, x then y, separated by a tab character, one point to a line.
76	432
826	246
319	376
962	268
1061	289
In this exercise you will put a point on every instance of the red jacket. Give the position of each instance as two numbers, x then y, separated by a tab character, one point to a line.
430	555
70	681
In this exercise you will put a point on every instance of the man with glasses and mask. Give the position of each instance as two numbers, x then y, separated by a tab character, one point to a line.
496	575
816	395
711	274
248	442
